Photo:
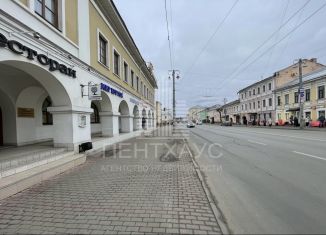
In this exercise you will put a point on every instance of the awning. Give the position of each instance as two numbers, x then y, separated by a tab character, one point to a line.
293	109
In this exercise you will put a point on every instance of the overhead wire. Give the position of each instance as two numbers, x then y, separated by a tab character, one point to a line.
276	37
235	71
212	36
168	31
284	37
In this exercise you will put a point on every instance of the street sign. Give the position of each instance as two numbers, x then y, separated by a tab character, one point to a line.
94	92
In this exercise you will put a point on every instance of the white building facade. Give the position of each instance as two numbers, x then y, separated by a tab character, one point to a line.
49	58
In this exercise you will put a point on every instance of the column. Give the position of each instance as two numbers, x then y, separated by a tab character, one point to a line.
109	123
126	123
71	126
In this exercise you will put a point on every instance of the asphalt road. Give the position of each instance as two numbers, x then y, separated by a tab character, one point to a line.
265	180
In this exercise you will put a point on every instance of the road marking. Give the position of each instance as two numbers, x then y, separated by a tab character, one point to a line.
309	155
236	131
255	142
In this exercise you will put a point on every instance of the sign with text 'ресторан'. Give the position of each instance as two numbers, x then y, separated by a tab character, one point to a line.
20	49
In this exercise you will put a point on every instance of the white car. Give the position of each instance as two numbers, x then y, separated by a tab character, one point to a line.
190	125
199	123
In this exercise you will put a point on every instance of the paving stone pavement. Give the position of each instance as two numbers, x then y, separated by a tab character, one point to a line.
130	191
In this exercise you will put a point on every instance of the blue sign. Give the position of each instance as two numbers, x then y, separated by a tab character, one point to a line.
134	101
111	90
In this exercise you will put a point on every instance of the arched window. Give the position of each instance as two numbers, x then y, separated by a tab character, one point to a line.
95	116
47	118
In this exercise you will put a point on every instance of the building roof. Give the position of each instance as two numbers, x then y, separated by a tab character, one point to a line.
318	74
198	107
270	77
232	103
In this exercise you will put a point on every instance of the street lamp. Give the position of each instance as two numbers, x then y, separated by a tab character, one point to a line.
175	75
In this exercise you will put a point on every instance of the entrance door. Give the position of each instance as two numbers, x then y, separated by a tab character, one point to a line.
1	129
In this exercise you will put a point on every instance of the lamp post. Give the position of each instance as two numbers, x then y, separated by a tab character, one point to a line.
175	75
301	95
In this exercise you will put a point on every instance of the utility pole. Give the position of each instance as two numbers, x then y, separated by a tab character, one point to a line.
301	95
175	75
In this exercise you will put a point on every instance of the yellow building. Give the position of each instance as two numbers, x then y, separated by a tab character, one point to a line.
287	98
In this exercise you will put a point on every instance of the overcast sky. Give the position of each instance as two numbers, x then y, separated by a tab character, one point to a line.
207	79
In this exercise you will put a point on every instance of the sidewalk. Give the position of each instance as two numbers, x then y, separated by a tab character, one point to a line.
136	187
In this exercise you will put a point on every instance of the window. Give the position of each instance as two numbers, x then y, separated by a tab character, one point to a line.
270	102
269	86
308	115
264	103
125	71
321	113
132	78
137	83
48	10
279	100
95	116
321	92
286	99
103	47
254	105
141	88
258	104
241	96
249	93
254	92
307	94
249	106
241	107
246	106
264	88
47	118
144	91
258	90
296	97
116	63
245	94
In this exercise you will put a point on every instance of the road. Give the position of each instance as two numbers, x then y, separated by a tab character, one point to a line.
265	180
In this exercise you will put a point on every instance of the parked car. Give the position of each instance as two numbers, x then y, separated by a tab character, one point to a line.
190	125
226	123
199	123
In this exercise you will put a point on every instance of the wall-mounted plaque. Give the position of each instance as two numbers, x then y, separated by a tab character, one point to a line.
25	112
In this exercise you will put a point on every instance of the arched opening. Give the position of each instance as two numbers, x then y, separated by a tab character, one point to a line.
124	118
101	118
95	116
27	92
47	118
136	118
153	119
149	119
144	119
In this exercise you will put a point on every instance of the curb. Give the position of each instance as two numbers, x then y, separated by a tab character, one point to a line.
217	213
